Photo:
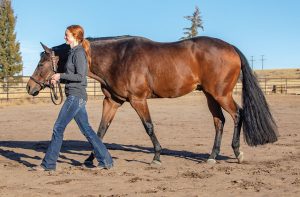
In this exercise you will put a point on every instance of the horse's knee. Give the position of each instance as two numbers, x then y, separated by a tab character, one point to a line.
101	132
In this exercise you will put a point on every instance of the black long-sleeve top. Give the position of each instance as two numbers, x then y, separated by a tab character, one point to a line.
75	73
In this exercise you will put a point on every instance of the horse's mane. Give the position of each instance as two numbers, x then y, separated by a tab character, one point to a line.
91	39
113	39
64	47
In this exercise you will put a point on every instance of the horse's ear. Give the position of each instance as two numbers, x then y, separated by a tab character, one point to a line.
47	50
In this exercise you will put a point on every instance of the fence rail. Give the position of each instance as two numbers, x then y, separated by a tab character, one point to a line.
15	88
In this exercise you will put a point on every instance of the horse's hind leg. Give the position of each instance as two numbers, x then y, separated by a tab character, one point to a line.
228	104
236	135
141	107
219	122
108	113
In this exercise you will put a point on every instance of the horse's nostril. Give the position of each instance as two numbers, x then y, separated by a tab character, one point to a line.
35	93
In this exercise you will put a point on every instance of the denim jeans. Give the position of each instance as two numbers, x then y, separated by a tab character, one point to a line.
74	107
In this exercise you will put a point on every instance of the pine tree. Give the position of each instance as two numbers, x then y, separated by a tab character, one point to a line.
196	23
10	56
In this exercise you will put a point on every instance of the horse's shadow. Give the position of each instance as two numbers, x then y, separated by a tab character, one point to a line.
75	146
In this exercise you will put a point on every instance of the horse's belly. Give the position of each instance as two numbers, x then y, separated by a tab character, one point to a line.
173	91
174	81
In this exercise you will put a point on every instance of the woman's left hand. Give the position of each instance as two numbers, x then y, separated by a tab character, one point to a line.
56	77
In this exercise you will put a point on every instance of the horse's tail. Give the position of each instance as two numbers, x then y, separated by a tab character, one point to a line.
258	124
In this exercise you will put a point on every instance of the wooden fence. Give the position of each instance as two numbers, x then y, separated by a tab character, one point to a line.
275	86
15	88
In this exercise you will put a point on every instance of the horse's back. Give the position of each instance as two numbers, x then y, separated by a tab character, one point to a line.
177	68
153	69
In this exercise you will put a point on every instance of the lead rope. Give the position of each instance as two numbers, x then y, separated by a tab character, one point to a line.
53	94
55	89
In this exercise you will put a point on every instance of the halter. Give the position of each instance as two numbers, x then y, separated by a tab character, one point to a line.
42	84
47	83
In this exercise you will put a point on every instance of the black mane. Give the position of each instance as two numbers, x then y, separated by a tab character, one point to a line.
64	47
91	39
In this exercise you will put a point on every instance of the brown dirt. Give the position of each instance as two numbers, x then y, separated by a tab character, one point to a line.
185	130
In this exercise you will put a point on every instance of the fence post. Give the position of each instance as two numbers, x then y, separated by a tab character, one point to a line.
235	88
286	86
265	85
94	88
7	89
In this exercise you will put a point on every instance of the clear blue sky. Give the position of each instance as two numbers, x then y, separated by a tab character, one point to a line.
258	27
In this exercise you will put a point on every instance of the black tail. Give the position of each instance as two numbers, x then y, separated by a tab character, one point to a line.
258	124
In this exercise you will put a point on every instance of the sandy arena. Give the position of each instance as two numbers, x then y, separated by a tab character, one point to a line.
185	130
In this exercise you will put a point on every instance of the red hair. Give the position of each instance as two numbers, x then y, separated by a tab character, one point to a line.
78	33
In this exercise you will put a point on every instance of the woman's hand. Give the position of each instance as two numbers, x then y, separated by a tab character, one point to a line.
53	82
55	78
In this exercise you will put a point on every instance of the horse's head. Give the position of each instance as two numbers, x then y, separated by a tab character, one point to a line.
43	72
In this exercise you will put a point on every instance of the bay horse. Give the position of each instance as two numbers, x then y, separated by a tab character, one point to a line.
134	69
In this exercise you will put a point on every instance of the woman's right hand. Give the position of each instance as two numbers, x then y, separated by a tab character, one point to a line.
53	81
55	78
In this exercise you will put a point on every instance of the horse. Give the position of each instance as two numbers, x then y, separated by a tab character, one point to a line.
133	69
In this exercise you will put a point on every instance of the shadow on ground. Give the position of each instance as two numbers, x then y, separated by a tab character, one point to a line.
76	146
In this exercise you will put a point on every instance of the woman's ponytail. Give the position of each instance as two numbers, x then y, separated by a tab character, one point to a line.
78	33
87	49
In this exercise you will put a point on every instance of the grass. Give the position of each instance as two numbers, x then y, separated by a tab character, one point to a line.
278	73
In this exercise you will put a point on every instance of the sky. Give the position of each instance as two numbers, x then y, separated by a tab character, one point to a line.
259	28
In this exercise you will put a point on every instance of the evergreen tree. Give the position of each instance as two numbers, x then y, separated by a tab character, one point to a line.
10	56
196	23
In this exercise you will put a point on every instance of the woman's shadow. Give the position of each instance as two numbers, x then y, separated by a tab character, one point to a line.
76	146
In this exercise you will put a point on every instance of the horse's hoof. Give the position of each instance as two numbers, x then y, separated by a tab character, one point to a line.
211	161
155	163
240	157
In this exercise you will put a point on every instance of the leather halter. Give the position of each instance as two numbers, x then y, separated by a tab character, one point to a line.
47	83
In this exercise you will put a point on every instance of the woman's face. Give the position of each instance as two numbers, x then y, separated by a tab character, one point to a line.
69	38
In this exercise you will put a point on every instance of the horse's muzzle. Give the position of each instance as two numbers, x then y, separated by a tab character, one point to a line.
33	91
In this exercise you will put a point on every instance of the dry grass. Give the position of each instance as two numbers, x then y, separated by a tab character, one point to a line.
278	73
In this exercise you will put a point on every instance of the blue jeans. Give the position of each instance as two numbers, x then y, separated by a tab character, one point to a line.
74	107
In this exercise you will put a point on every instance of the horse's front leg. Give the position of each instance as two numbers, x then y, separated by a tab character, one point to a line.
110	108
108	113
141	107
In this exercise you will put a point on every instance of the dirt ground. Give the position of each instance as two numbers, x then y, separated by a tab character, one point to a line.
185	130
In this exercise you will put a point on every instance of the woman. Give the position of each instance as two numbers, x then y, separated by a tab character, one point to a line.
74	107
